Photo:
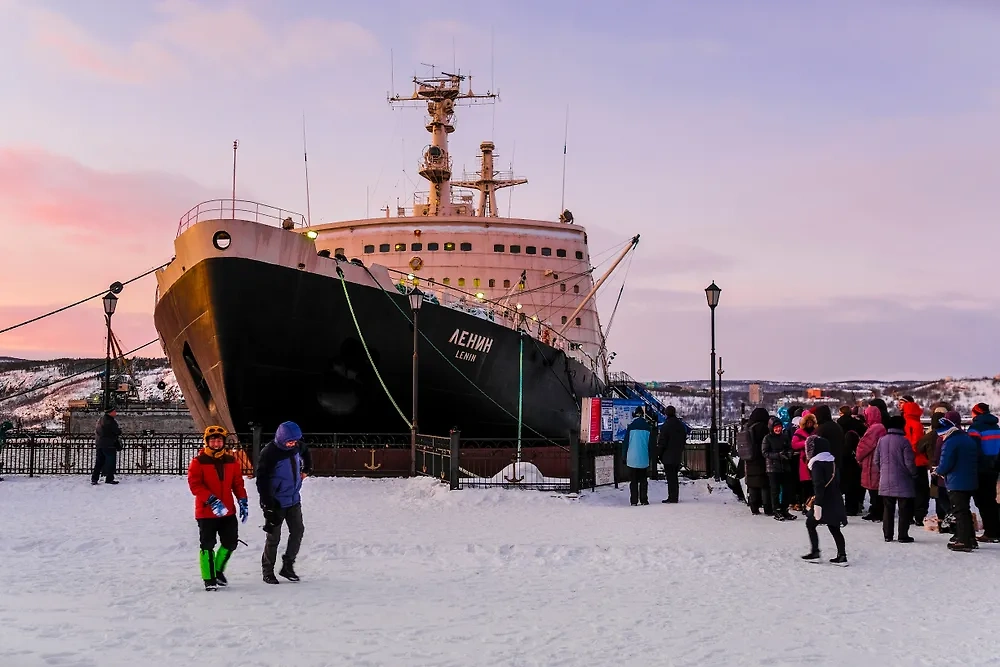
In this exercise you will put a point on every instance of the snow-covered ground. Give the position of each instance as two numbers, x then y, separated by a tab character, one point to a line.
405	572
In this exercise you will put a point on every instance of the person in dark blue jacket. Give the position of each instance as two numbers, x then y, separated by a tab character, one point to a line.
640	436
985	430
959	466
283	464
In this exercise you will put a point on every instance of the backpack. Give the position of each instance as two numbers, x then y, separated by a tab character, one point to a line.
744	443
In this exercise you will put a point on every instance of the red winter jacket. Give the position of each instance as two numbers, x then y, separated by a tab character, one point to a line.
914	429
220	477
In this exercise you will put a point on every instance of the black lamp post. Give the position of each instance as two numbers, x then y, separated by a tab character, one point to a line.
712	293
110	302
416	300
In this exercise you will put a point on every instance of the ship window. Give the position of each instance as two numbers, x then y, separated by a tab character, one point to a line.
447	281
506	284
562	287
576	289
432	246
498	247
339	251
476	282
561	252
515	249
579	254
416	247
555	276
493	282
578	321
546	252
222	239
466	247
563	320
530	250
449	246
400	246
461	282
384	247
369	249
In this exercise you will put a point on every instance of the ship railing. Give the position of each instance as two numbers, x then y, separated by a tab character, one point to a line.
457	197
241	209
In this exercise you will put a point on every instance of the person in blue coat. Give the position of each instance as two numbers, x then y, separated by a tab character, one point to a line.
985	430
640	436
283	464
959	466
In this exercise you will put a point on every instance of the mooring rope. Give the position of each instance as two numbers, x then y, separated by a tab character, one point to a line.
364	344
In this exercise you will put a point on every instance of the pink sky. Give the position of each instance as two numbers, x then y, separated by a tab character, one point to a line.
834	171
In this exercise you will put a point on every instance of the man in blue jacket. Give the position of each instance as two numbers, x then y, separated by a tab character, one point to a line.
283	465
985	430
959	466
640	436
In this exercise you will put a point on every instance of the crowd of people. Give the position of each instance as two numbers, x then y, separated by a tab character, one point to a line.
869	463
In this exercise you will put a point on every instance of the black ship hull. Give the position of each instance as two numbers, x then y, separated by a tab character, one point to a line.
256	343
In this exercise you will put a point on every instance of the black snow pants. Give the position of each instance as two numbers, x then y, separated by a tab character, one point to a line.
638	485
293	517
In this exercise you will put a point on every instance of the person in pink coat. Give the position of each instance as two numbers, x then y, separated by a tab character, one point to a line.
806	428
866	457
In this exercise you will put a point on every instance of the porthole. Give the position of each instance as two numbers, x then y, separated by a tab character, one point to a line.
578	321
530	250
546	252
466	247
369	249
222	240
449	246
561	252
579	254
493	282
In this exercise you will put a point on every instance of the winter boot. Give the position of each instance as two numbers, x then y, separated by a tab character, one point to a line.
958	546
211	585
778	516
789	517
269	578
221	580
286	570
841	559
812	555
221	560
207	561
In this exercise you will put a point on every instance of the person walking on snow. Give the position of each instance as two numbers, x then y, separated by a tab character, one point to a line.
894	460
985	430
781	475
640	437
109	443
283	464
670	446
214	477
959	466
914	431
828	502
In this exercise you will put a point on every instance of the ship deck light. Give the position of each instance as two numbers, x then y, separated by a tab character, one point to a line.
312	234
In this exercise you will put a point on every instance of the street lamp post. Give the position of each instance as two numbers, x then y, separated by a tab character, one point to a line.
110	302
712	293
722	421
416	300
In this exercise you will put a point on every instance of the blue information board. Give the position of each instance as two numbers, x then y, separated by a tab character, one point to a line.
616	415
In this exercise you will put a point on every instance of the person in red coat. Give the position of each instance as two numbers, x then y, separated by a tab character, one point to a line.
914	431
214	477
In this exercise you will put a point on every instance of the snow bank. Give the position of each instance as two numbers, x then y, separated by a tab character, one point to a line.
404	572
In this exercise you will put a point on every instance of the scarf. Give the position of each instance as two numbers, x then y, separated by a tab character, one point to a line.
822	456
950	432
213	453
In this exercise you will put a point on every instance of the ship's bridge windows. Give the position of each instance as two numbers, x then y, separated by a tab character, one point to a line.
416	247
562	287
514	249
461	282
369	249
476	282
384	247
339	251
546	252
579	254
493	282
530	250
506	284
431	247
576	289
466	247
561	252
449	246
578	321
499	247
399	247
563	320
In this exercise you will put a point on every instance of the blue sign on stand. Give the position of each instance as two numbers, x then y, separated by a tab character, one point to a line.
616	415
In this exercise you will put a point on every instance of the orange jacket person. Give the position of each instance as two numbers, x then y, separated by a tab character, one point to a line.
214	477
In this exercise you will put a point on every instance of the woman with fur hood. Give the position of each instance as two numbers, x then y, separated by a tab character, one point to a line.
828	502
807	427
866	457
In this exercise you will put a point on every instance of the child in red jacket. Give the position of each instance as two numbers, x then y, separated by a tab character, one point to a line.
214	477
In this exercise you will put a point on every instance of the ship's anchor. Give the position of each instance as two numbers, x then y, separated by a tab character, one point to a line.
515	479
373	466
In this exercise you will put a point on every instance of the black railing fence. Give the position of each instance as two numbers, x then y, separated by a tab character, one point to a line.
530	463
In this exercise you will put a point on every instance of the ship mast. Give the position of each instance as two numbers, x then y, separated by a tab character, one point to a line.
489	181
441	93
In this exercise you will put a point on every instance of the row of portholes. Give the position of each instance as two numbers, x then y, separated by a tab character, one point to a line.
464	247
476	282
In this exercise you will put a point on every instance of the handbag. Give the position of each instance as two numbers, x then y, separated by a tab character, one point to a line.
811	500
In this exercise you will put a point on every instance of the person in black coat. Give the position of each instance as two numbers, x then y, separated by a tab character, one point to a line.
782	468
670	450
108	445
758	488
828	503
850	469
830	431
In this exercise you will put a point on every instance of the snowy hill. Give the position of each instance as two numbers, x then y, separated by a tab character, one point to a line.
44	406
